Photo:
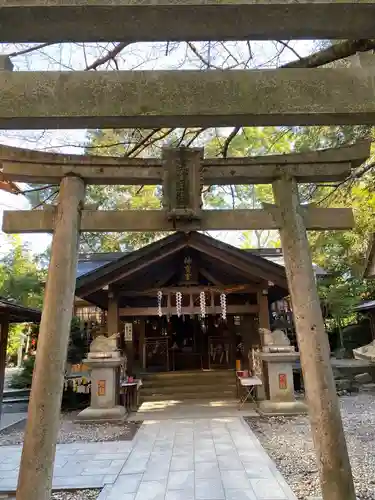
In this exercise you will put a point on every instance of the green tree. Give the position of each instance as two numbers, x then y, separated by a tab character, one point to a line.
21	276
122	143
21	280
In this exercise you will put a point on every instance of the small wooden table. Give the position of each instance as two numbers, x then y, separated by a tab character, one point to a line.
130	392
249	384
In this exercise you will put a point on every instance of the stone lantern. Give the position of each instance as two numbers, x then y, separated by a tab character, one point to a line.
103	361
279	356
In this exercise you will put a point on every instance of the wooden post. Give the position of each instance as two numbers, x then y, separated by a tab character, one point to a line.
329	440
3	355
113	318
263	322
38	454
264	313
142	334
113	328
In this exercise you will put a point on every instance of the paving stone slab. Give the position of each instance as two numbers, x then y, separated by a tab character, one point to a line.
204	459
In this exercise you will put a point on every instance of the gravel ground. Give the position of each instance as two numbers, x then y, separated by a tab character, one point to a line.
67	495
288	441
72	432
76	495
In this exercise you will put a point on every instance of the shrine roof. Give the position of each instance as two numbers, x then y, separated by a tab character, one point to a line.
88	262
18	313
149	266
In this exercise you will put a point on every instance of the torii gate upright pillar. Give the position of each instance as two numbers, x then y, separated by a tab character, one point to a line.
38	454
327	430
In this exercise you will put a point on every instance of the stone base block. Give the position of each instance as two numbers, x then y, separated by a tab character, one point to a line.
96	415
282	407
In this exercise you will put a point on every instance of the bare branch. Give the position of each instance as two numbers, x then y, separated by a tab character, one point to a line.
287	46
41	188
52	195
110	56
228	140
194	49
29	49
143	141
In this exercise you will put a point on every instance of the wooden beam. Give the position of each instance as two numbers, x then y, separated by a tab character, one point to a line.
43	221
264	313
253	272
206	274
326	165
150	20
85	289
113	319
148	99
235	288
153	311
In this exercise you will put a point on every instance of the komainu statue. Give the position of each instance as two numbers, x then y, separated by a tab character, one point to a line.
367	352
275	338
104	344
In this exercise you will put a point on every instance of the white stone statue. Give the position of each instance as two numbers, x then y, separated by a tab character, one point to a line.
275	338
104	344
366	352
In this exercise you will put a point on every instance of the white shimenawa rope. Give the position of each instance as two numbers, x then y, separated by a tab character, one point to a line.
178	303
223	304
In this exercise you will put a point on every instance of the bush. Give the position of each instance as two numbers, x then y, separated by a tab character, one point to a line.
23	379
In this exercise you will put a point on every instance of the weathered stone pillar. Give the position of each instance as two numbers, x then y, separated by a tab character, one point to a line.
329	440
4	330
5	63
35	477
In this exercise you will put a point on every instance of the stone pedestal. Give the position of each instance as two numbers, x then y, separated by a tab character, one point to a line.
280	382
103	407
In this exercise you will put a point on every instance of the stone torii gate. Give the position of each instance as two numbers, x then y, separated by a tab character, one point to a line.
31	100
182	172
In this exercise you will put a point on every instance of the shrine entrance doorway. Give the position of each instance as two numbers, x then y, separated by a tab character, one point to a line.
189	342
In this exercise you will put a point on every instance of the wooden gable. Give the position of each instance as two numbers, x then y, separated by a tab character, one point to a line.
163	264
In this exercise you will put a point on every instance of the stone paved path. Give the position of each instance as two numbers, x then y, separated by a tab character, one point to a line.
181	459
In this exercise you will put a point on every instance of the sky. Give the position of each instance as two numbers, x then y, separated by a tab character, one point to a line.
65	57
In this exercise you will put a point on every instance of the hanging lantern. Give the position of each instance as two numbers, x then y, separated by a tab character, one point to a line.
160	296
223	305
202	303
178	303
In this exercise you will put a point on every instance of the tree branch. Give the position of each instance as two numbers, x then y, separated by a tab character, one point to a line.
194	49
332	53
46	199
228	140
287	46
142	141
111	55
29	49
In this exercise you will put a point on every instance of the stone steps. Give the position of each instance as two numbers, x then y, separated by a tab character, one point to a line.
11	396
215	385
199	388
211	395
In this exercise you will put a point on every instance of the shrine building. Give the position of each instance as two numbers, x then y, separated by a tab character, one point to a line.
185	302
